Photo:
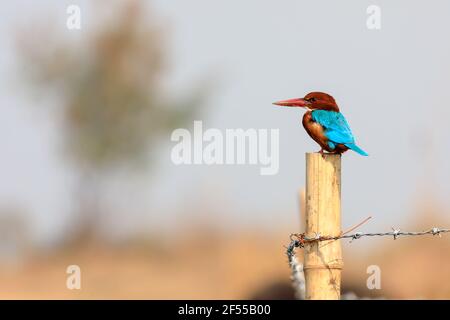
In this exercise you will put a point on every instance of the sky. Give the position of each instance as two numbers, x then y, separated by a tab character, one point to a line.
391	84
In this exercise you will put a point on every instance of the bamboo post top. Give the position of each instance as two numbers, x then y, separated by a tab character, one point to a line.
323	260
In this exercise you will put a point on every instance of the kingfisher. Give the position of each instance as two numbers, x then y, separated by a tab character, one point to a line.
324	123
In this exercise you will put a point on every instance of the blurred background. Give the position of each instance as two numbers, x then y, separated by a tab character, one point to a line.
85	126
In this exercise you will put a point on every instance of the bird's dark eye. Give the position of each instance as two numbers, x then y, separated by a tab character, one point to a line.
312	99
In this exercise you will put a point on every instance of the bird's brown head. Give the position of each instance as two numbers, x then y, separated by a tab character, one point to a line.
312	101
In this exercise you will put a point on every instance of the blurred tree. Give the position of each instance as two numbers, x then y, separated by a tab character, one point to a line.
114	108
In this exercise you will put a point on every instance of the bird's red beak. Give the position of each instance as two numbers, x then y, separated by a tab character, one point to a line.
297	102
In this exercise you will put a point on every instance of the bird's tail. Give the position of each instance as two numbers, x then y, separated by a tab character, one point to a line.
355	148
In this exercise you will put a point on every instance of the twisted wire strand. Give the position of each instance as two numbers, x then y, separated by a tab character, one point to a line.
303	239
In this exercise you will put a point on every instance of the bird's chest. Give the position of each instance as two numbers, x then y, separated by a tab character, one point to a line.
314	129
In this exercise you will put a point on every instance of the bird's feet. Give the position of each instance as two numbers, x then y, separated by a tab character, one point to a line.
322	153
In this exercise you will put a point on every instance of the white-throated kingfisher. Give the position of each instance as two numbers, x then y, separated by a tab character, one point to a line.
325	123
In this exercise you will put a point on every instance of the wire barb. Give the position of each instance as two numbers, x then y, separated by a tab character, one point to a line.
395	233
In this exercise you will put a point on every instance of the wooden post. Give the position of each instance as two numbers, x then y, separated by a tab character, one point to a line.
323	260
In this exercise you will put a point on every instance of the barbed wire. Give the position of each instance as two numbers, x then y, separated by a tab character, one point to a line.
297	274
302	239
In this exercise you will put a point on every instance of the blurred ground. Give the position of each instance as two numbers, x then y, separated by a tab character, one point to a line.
205	265
201	266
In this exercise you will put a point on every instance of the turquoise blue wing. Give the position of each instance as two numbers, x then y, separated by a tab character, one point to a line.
336	127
